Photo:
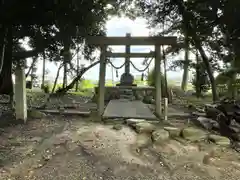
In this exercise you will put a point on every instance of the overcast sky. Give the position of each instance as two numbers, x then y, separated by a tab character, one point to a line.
117	27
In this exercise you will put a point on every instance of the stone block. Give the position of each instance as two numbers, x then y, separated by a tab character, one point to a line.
173	131
143	140
193	134
219	140
207	123
133	122
160	136
117	127
144	127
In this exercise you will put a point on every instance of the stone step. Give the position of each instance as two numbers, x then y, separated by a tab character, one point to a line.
67	112
126	91
126	97
127	94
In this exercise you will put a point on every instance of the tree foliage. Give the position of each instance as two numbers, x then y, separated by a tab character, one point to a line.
50	26
211	25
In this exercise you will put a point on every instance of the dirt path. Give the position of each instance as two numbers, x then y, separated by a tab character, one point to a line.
72	149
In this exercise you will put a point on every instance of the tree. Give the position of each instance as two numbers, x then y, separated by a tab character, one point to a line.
52	26
205	22
200	79
186	65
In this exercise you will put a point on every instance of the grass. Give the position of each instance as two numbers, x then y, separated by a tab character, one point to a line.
198	101
86	92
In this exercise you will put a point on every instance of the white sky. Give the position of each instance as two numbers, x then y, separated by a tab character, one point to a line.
117	27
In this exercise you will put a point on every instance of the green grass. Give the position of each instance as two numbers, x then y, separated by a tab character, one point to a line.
198	101
86	92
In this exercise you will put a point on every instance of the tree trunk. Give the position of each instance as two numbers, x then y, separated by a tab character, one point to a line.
186	66
66	60
31	67
232	90
64	75
198	88
56	79
6	83
78	68
3	33
43	70
190	27
209	71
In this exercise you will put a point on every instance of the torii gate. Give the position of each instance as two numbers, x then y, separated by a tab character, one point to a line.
127	41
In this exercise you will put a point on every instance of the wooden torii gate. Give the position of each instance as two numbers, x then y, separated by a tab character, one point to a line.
127	41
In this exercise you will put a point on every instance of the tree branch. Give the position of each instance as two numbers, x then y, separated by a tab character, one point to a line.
26	54
79	76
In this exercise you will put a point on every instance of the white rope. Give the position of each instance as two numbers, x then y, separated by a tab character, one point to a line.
141	70
116	66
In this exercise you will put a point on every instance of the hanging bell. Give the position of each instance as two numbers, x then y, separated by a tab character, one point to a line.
142	77
117	73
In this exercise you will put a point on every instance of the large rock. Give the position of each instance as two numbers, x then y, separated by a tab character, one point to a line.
144	127
173	131
148	99
219	140
139	95
36	114
212	112
160	136
117	127
193	134
207	123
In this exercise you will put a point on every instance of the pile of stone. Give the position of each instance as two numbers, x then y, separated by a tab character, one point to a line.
150	132
223	116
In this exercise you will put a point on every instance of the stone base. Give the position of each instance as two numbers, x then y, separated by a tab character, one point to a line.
115	92
128	109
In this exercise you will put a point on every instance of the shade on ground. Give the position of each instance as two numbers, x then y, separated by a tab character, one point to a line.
128	109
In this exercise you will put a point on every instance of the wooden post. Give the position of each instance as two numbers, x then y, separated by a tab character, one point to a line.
101	85
20	94
165	109
158	95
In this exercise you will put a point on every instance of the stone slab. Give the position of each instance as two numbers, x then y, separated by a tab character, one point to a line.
128	109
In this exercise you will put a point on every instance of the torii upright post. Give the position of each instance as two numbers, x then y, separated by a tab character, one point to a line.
101	83
158	95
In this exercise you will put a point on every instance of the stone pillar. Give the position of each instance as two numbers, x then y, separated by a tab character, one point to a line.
101	84
127	59
127	79
20	94
158	91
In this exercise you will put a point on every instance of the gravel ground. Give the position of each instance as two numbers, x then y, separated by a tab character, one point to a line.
60	148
